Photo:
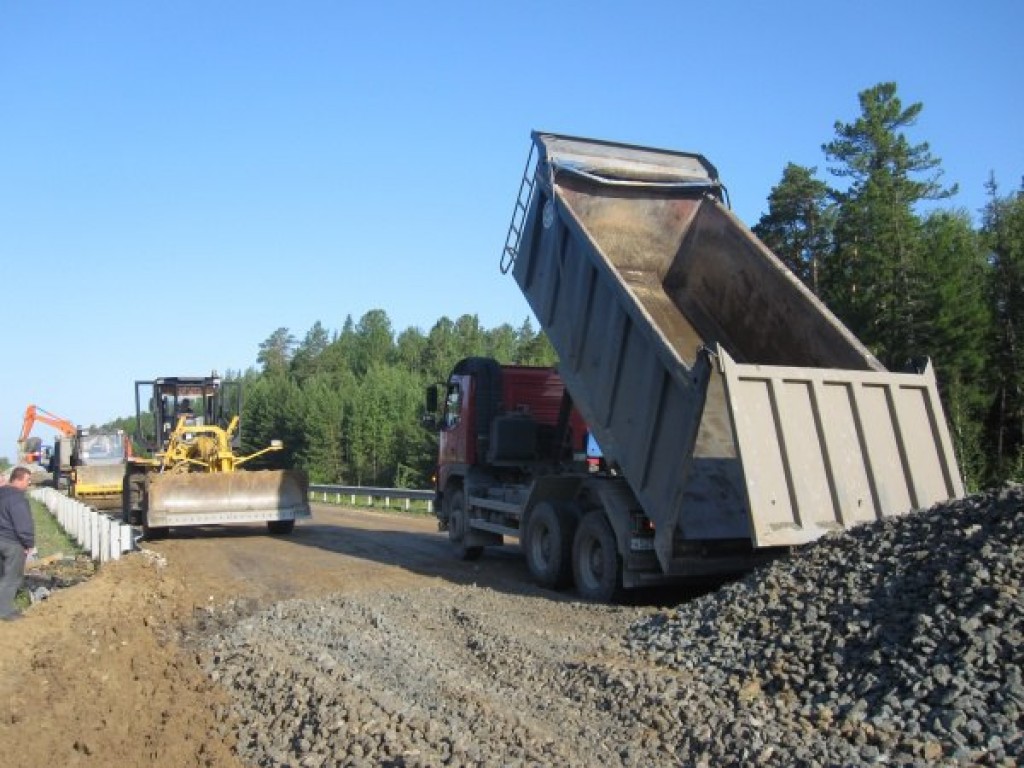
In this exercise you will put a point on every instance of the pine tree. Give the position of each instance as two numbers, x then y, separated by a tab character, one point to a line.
441	352
323	415
276	352
1003	233
374	341
308	358
799	222
954	328
272	410
501	343
410	347
875	281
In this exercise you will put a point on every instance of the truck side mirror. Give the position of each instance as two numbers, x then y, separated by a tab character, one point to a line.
432	398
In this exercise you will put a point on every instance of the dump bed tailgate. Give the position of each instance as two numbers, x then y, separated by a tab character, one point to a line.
826	449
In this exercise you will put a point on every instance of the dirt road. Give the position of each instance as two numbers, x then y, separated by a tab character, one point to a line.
360	641
99	673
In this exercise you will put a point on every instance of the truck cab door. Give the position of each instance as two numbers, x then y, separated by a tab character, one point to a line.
453	441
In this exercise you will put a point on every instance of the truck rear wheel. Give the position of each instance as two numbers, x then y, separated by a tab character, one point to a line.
458	527
595	559
280	527
548	545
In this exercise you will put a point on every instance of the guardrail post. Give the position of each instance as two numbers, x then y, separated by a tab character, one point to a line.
103	543
126	538
94	533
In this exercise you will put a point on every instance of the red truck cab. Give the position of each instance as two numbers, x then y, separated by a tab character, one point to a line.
508	417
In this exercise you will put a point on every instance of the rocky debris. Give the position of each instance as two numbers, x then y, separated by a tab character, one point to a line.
898	643
44	576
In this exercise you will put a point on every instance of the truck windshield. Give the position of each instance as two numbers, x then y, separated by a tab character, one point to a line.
99	447
452	406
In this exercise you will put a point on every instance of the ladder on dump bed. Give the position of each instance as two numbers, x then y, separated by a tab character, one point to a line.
522	206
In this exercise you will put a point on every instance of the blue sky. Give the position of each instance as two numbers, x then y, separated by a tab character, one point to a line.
178	180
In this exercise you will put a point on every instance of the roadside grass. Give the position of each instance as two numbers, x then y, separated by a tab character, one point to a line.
50	540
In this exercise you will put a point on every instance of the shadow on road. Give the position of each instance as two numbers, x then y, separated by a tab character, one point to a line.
406	542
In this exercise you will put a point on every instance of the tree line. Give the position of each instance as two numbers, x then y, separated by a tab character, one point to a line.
348	405
909	277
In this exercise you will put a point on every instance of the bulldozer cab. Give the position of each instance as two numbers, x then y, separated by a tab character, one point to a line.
199	400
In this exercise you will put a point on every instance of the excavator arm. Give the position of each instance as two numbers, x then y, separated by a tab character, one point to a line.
33	414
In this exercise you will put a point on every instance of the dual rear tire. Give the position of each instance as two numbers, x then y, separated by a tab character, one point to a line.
596	564
547	544
562	549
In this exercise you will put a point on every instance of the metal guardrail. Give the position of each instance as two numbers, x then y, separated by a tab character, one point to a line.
353	492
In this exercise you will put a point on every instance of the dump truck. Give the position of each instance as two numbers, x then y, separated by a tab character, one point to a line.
194	473
90	465
736	416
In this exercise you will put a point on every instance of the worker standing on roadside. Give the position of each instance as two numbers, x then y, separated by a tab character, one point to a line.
17	539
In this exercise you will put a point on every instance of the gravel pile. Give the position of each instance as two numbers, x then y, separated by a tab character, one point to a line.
898	643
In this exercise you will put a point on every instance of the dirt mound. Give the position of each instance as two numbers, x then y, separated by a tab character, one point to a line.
93	676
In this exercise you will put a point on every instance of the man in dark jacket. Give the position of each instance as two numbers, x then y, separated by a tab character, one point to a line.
17	539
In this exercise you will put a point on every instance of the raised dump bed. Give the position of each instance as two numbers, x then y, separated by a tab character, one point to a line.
735	404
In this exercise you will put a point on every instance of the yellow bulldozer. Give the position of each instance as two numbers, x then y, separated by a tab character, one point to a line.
192	473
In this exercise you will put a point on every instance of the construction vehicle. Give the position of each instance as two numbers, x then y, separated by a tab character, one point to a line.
30	449
90	465
736	416
193	475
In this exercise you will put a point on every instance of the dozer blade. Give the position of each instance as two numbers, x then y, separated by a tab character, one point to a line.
229	497
99	485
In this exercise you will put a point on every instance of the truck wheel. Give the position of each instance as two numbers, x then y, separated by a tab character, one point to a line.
133	498
595	559
548	545
458	528
280	527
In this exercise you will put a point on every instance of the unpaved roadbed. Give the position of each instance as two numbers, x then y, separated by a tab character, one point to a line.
360	641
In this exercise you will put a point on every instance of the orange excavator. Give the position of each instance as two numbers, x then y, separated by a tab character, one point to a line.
30	449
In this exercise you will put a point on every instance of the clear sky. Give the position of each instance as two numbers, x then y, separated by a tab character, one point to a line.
180	179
